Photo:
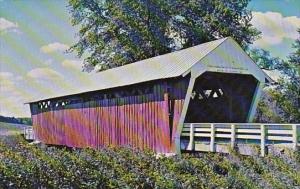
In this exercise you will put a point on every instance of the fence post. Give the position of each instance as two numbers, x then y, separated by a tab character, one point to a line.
233	131
192	142
212	138
295	137
262	140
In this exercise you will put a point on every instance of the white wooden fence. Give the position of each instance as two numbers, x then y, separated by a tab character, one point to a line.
28	133
235	133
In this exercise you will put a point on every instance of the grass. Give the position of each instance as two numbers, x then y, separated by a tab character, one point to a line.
11	128
26	166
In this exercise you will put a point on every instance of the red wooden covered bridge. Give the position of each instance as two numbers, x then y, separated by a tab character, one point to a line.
145	104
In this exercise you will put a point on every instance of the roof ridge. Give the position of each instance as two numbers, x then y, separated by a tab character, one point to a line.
168	65
223	40
162	55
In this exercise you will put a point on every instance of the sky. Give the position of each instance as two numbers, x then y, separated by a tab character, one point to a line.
34	35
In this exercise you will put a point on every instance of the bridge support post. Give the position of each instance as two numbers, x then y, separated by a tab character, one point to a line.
192	141
262	140
255	100
212	138
233	132
295	137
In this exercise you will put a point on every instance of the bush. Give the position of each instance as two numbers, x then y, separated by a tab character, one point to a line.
26	166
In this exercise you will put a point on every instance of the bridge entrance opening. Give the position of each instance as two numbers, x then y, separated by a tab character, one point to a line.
221	98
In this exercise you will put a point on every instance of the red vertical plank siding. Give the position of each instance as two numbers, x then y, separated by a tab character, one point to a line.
158	132
140	121
69	115
178	105
147	131
92	127
55	138
141	124
126	122
106	128
153	123
135	123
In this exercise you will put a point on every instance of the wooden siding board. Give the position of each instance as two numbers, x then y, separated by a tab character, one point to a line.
139	121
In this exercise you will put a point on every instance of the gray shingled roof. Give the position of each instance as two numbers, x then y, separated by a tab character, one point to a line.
159	67
164	66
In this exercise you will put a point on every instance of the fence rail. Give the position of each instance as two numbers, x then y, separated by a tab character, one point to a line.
235	133
28	133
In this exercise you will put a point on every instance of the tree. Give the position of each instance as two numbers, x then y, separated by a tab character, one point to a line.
289	100
264	60
293	70
281	102
199	21
267	110
117	32
294	58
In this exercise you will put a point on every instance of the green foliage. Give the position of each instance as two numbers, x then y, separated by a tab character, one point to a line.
266	113
285	99
281	166
287	94
114	33
11	128
279	104
270	172
263	59
26	166
294	58
282	101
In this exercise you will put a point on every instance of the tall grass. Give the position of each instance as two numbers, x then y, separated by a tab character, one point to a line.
27	166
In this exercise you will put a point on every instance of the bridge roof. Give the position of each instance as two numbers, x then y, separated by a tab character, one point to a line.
160	67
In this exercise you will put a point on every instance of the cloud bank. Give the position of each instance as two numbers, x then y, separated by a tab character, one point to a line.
44	74
10	96
7	83
72	64
7	26
54	47
275	27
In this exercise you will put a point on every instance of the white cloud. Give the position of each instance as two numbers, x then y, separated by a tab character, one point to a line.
72	64
12	103
19	78
7	82
9	76
6	75
6	85
56	46
44	74
12	96
6	25
275	27
48	62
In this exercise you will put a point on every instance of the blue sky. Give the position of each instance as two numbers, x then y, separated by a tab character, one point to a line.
277	20
34	35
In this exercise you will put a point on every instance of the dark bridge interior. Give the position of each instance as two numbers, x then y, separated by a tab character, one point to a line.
221	98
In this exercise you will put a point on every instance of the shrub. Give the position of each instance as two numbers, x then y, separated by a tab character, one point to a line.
26	166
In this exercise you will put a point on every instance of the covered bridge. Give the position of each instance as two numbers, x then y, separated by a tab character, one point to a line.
145	104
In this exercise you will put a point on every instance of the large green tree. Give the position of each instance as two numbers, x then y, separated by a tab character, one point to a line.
294	71
287	94
267	110
281	103
117	32
264	59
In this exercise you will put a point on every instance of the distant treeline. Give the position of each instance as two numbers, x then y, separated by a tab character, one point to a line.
22	120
